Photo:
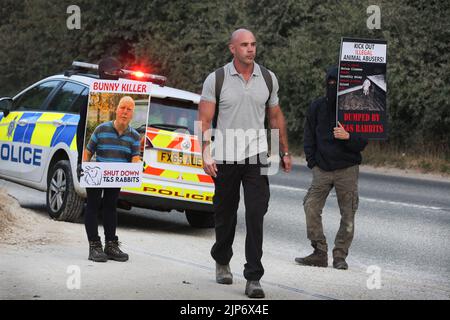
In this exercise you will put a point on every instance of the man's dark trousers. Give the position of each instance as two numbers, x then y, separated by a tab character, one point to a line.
226	203
108	205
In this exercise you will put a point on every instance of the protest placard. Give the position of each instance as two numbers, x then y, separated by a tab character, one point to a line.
115	133
362	88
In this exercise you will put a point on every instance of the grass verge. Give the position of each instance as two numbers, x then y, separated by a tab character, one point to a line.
381	154
425	159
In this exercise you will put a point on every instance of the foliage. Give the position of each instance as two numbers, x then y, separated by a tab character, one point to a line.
297	39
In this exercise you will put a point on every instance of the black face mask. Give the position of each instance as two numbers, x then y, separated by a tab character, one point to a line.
331	93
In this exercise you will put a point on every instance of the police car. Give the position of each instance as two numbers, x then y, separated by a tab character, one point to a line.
38	147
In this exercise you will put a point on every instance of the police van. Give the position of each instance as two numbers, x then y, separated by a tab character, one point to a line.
38	147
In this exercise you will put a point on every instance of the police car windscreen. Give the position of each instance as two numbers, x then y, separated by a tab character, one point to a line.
172	115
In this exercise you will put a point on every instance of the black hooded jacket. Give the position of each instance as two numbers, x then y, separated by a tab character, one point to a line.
320	146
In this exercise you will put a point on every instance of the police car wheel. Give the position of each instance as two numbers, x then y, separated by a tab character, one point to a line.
199	219
63	203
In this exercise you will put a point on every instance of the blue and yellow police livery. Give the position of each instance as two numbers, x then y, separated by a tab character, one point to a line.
38	148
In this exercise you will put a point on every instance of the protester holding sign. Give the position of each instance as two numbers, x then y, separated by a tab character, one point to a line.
109	151
334	156
113	141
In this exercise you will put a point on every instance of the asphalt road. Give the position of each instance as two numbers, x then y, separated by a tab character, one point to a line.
402	224
402	231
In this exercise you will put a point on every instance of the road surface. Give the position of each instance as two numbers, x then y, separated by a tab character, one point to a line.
400	250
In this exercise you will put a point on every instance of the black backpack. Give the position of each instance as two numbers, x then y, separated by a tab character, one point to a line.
220	74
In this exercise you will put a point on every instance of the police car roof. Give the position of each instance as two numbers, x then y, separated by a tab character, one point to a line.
156	90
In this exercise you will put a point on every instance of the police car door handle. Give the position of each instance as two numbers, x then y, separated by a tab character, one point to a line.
58	123
22	122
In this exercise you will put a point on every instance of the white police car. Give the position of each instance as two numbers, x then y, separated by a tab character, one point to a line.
38	148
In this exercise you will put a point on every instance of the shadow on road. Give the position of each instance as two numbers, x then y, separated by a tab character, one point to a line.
141	219
149	220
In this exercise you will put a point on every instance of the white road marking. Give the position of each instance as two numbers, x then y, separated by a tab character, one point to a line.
395	203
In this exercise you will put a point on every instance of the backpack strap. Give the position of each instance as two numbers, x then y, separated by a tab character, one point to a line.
268	79
220	75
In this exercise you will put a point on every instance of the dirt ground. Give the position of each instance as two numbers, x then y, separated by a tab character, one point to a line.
22	227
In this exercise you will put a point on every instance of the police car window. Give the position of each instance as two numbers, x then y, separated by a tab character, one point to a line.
81	102
172	114
65	97
34	98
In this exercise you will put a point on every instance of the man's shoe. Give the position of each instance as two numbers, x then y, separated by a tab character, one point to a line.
316	259
339	263
96	253
113	251
223	274
253	290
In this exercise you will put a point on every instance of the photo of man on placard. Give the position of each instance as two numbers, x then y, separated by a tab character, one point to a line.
115	141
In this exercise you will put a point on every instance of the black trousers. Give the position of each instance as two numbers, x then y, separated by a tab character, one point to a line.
226	203
108	205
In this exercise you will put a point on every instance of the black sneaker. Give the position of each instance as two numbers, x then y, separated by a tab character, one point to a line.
316	259
113	251
96	253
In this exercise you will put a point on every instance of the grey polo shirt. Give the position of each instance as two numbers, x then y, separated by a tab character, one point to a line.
240	131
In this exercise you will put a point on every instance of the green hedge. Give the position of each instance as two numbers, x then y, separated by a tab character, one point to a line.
297	39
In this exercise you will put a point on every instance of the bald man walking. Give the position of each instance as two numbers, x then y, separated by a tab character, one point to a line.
112	141
241	106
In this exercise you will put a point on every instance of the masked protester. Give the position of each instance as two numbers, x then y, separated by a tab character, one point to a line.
334	156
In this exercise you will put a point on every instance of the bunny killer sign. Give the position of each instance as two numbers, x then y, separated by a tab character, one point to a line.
115	134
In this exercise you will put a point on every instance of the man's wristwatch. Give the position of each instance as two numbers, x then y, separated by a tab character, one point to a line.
284	154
